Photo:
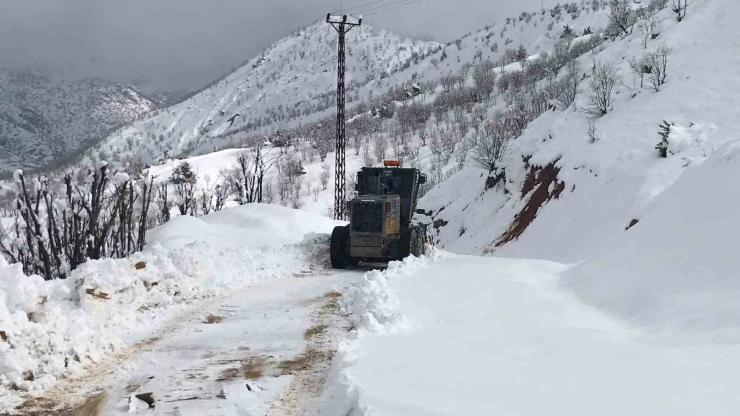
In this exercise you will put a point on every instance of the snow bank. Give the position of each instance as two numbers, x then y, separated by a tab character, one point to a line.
49	329
494	336
677	268
252	225
683	138
374	310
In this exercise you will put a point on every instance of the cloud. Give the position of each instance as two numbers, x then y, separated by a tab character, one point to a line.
184	44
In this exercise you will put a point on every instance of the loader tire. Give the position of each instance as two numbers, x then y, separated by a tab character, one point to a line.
416	246
337	253
409	243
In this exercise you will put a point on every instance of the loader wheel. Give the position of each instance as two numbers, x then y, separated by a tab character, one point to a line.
409	243
422	242
337	248
415	248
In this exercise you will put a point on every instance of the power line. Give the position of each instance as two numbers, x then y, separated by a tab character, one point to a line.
393	6
359	6
381	6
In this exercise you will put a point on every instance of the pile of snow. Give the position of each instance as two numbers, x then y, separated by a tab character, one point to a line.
499	336
49	329
684	138
374	310
676	270
251	225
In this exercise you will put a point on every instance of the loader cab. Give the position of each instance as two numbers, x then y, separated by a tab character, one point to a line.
392	180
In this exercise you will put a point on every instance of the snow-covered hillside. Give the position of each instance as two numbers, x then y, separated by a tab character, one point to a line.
291	82
566	194
46	117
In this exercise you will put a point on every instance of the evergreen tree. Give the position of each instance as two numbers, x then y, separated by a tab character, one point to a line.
662	147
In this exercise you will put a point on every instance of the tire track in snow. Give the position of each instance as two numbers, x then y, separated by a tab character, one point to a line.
311	368
301	358
83	394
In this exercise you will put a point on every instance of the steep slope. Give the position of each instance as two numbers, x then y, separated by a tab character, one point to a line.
675	270
46	116
564	195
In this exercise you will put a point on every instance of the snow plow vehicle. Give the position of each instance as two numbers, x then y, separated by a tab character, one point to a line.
380	228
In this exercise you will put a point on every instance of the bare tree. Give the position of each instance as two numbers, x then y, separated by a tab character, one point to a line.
164	205
59	226
324	176
367	158
566	90
221	194
647	30
184	179
484	77
679	7
491	144
604	77
658	62
593	135
640	69
380	146
622	18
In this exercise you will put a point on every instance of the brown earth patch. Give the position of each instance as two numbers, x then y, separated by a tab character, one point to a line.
91	407
315	331
252	368
439	223
537	185
97	294
310	369
213	319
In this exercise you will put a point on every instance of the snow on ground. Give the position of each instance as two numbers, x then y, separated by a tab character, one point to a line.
53	329
676	270
313	198
478	336
262	352
252	225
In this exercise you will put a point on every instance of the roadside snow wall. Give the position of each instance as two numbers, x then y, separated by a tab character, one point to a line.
374	310
677	269
49	329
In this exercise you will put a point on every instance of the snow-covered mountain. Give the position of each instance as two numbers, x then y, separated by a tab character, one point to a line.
46	117
291	82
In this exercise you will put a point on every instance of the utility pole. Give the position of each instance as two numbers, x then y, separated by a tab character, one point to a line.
342	25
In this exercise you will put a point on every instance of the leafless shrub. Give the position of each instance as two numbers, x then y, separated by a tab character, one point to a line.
59	226
658	63
622	18
491	145
604	77
593	135
679	7
567	89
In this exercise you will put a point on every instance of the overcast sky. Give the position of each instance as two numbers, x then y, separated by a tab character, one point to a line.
184	44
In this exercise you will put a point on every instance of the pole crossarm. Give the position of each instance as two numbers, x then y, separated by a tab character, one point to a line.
342	24
345	19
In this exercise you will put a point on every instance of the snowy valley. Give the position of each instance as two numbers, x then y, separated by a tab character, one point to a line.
47	118
581	198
